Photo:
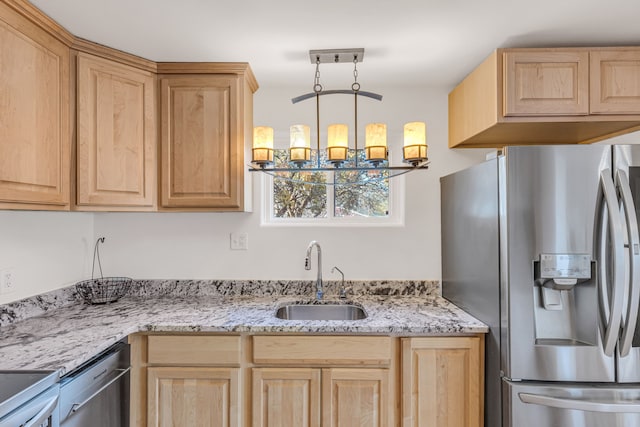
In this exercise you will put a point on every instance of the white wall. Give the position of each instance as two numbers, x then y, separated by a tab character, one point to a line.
50	250
44	250
196	245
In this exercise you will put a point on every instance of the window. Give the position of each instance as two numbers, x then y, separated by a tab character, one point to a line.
374	200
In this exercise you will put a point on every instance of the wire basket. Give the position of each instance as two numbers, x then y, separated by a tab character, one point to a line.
104	289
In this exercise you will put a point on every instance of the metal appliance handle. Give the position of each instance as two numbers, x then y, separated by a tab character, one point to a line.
580	405
611	309
634	263
76	406
45	413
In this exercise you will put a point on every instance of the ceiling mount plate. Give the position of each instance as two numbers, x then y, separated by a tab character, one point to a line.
336	55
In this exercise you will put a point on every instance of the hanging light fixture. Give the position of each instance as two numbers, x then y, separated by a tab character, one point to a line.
375	145
262	145
338	156
337	143
300	146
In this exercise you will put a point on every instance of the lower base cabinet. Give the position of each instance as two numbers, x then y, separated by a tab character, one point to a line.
356	397
284	397
306	381
330	397
193	397
442	382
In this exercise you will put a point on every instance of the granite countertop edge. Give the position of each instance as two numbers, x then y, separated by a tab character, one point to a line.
65	338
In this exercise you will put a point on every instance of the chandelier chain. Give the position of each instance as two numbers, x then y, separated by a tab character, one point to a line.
355	86
317	87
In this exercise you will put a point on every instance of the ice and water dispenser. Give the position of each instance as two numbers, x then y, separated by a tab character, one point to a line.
565	299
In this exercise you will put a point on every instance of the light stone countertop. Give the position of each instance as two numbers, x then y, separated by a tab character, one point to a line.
66	337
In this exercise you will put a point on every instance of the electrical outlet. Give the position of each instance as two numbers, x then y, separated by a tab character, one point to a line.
7	284
239	241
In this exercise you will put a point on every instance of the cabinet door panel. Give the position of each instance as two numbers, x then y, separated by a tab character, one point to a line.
199	397
355	397
442	384
615	81
34	117
546	83
116	134
286	397
199	142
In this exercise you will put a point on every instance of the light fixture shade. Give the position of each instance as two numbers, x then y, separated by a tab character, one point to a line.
376	142
337	142
262	151
415	142
300	144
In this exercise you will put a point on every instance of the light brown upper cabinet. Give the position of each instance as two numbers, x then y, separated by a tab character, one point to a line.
547	96
116	136
52	83
34	116
546	83
615	81
206	120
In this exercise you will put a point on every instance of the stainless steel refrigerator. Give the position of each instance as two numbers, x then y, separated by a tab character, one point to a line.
541	243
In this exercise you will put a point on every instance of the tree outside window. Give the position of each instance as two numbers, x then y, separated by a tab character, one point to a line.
343	194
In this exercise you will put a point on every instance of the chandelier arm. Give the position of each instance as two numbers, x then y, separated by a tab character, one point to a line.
394	171
309	95
424	165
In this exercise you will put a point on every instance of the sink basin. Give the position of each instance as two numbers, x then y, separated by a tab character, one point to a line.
321	312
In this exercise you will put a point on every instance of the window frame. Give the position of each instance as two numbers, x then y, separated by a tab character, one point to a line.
394	219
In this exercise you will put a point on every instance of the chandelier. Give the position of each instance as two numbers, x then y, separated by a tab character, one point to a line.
338	156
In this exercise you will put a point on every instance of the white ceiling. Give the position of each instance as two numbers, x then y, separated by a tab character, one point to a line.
407	42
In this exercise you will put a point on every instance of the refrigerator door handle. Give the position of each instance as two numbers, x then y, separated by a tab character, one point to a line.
580	405
611	298
631	318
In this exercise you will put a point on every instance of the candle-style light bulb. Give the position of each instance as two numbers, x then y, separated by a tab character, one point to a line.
415	142
300	144
337	143
262	150
376	142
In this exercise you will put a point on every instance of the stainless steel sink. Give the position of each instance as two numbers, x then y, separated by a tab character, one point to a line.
321	312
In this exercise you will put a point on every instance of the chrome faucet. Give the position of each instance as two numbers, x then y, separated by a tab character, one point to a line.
342	294
307	266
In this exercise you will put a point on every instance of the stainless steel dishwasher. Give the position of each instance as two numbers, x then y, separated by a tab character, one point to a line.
29	398
97	393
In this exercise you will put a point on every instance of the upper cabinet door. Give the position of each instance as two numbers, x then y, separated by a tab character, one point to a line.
200	142
615	81
548	83
34	116
116	150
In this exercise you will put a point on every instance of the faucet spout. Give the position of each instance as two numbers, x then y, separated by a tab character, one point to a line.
307	266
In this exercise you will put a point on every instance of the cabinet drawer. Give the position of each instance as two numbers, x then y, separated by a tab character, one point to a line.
329	350
194	350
